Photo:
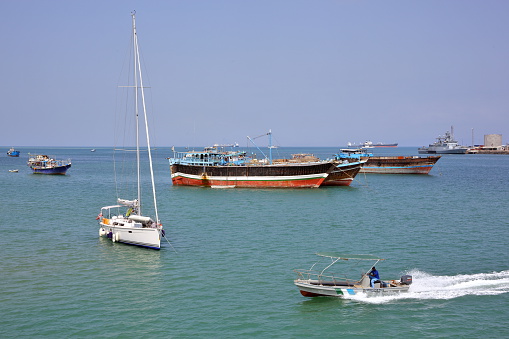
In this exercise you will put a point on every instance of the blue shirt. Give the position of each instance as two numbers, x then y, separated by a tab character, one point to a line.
374	274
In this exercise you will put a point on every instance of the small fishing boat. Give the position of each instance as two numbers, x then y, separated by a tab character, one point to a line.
14	171
12	152
43	164
132	227
320	281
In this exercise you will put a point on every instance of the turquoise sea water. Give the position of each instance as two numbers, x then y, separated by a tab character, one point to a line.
231	274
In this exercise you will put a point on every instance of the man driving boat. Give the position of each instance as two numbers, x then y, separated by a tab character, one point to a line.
374	276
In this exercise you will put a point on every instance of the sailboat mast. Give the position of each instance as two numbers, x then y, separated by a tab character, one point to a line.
136	62
142	91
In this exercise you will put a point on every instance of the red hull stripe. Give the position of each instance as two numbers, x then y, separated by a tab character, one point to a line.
179	179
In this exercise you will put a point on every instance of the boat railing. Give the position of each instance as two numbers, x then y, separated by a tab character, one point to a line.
318	278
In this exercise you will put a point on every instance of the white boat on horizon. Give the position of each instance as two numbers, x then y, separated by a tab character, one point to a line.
132	227
317	282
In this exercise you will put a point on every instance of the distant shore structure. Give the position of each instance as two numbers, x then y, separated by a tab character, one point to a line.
492	145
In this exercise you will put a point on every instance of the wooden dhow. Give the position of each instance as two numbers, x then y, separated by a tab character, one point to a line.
388	164
215	167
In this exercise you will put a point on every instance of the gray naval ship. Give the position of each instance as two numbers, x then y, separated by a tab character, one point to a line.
444	145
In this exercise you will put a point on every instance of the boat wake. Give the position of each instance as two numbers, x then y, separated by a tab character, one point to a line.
427	286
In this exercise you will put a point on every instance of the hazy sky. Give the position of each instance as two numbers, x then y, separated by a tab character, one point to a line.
318	73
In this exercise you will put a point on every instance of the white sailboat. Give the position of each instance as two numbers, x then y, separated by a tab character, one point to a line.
132	227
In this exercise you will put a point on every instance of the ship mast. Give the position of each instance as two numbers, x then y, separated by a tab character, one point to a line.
135	69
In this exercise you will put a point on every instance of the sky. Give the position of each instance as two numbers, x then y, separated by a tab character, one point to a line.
316	72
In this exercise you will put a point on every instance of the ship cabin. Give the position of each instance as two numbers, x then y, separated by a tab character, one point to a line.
209	158
351	153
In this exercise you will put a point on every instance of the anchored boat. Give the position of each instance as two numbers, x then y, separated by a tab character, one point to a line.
388	164
444	145
215	167
12	152
220	169
132	227
43	164
319	280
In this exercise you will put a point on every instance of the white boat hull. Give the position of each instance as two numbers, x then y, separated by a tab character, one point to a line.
139	236
309	289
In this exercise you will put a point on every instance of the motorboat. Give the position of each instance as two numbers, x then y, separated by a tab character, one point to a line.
13	153
44	164
320	281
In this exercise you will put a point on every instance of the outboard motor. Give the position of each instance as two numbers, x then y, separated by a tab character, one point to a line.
406	280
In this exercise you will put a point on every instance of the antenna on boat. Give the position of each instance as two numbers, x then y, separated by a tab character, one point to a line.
270	145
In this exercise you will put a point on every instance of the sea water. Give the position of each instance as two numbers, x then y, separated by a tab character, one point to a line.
228	270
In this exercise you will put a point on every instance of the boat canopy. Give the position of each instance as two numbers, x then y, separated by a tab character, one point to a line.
344	256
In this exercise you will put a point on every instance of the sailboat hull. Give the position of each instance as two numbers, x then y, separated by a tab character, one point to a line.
137	236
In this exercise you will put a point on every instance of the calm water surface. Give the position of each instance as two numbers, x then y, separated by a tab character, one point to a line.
229	272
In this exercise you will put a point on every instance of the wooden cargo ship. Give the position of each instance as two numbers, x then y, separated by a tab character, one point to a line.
389	164
215	168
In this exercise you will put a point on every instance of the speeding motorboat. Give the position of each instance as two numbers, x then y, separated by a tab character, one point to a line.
320	281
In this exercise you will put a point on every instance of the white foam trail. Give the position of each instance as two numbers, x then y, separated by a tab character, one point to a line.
427	286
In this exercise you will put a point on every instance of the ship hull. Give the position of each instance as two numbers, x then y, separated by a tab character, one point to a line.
143	237
343	175
399	165
442	151
256	176
385	145
54	170
308	289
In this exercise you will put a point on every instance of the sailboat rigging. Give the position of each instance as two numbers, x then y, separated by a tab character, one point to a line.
132	227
